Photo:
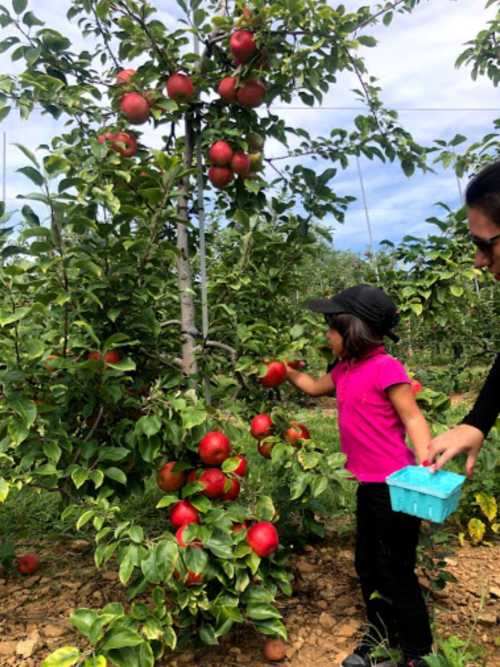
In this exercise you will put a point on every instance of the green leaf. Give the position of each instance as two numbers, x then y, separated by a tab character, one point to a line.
4	490
19	6
167	555
96	661
67	656
83	620
113	453
79	477
31	20
207	634
121	638
298	486
166	501
11	318
4	112
149	425
367	40
273	627
52	451
265	510
84	518
25	408
136	656
456	290
116	474
127	564
123	365
33	174
28	154
261	612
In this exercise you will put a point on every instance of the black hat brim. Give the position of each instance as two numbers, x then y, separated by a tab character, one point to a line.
326	306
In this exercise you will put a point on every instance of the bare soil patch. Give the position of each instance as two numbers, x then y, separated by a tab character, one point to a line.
324	617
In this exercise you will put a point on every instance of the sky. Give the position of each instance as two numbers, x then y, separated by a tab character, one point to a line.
414	65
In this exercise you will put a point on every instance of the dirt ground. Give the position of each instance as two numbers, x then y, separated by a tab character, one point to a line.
323	618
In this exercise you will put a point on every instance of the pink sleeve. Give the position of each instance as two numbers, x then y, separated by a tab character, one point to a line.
390	372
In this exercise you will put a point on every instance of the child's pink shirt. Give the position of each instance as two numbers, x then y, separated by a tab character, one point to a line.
372	435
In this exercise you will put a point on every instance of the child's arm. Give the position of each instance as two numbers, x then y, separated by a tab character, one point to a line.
415	423
308	384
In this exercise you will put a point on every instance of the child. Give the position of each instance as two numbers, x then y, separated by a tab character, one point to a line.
376	409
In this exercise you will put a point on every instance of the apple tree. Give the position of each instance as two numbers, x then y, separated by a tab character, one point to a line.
110	366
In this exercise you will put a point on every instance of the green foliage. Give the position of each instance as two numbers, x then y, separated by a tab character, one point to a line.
456	652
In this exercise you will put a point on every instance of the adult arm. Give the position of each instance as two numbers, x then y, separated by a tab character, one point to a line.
468	437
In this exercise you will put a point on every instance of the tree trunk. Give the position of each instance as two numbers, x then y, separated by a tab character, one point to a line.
184	272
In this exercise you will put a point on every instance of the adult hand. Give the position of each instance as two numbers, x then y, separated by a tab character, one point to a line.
462	439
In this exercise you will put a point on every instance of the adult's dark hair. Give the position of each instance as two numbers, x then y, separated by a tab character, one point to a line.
483	192
359	338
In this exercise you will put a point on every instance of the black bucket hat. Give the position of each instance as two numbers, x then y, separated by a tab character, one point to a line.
369	303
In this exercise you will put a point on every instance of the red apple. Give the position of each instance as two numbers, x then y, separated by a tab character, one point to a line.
213	481
234	490
274	650
275	374
168	479
180	540
193	476
124	76
263	538
241	470
415	386
214	448
183	513
251	93
220	153
261	426
194	578
265	448
296	432
94	356
48	362
227	88
180	87
112	357
220	177
240	164
237	527
106	136
243	46
28	564
122	142
135	108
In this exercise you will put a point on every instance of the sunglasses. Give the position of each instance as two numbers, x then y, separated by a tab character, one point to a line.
484	245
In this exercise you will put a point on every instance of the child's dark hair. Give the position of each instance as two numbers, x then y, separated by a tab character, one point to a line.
483	192
359	338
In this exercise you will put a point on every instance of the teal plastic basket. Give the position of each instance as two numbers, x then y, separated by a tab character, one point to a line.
429	495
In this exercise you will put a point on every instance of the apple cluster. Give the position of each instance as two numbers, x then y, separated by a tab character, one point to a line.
214	448
226	162
248	92
262	427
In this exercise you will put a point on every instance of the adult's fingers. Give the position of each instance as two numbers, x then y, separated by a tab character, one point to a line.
437	446
446	456
470	463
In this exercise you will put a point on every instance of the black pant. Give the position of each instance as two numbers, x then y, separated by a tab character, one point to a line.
386	544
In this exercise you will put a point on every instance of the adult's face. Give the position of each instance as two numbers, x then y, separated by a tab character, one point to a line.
483	227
